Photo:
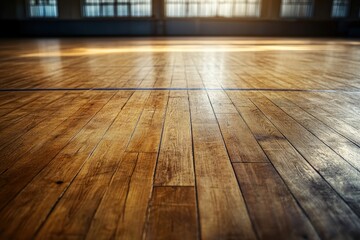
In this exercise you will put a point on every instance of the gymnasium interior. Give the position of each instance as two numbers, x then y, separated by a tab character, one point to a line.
179	119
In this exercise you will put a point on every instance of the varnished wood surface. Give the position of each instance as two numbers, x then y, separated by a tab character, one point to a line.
179	138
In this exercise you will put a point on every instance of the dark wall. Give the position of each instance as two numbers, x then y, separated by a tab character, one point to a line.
14	21
252	28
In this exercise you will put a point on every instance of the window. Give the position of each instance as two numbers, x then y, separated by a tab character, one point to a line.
117	8
296	8
43	8
340	8
212	8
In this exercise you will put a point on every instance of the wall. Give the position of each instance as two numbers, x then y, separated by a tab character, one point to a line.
15	22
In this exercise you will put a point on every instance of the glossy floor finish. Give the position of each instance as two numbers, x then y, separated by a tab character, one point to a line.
179	138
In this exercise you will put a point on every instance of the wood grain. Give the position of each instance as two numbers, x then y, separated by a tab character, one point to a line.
343	177
97	176
123	209
240	142
340	144
37	199
179	138
175	164
324	208
267	197
146	137
216	181
173	214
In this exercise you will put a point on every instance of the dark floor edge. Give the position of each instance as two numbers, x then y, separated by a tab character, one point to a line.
177	89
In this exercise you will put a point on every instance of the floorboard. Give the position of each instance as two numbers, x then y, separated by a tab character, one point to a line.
179	138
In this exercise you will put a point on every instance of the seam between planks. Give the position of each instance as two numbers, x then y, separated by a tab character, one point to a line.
281	177
311	165
81	167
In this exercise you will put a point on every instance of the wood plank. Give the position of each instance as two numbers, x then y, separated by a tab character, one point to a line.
29	166
30	207
68	175
215	178
123	209
267	197
239	99
16	101
334	104
175	164
201	110
327	211
221	102
240	142
173	214
179	93
343	177
48	104
56	127
73	214
339	125
341	145
146	137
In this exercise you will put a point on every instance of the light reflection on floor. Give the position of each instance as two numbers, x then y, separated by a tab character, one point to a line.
274	63
105	46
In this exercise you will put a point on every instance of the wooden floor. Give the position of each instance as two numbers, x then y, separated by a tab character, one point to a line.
179	138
